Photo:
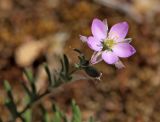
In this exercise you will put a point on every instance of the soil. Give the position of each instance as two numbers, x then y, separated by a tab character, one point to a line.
128	95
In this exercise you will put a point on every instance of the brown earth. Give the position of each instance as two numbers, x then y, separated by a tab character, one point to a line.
128	95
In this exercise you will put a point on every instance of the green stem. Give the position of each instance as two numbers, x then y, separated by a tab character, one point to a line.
30	104
44	94
75	70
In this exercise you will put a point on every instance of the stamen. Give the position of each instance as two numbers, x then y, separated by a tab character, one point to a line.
108	44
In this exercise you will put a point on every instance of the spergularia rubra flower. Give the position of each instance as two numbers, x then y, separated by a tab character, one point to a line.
111	45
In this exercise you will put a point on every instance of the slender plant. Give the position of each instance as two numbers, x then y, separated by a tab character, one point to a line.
55	80
108	46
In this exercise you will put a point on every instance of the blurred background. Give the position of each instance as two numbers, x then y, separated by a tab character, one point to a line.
37	31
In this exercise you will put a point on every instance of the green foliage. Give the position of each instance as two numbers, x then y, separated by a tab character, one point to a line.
76	117
59	116
31	79
91	119
9	103
27	115
55	80
7	86
91	71
49	74
64	73
85	65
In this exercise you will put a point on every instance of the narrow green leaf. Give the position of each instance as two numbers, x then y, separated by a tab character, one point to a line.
65	118
10	100
12	108
66	64
78	51
58	114
30	77
43	113
55	80
62	66
26	88
81	54
28	115
47	117
7	86
10	103
55	108
27	99
57	117
64	74
91	119
48	73
76	117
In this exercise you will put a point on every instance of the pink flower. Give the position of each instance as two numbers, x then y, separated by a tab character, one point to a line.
109	46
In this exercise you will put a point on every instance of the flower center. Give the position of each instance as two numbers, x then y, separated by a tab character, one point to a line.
108	44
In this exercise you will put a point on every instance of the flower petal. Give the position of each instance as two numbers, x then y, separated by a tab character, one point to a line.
109	57
127	40
123	50
99	29
96	57
106	23
83	38
119	64
94	44
119	31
